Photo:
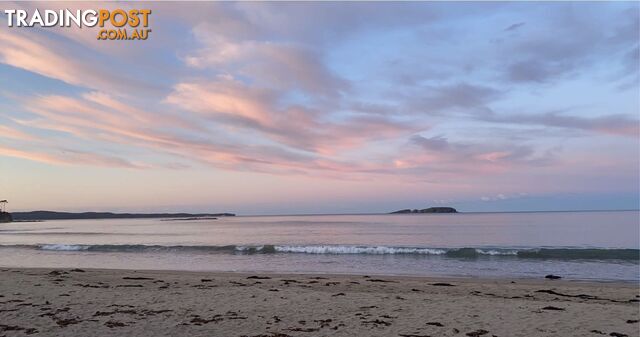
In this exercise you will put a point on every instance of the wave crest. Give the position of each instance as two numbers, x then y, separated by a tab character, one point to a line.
465	252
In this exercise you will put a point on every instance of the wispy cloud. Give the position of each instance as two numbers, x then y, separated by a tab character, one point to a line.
346	91
514	26
73	59
614	124
68	157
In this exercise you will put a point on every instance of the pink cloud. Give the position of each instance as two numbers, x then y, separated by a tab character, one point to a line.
233	103
37	53
272	64
68	157
13	133
98	117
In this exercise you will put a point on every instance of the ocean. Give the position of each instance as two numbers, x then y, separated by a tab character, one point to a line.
601	246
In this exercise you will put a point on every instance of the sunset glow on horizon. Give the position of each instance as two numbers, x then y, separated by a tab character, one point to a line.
281	108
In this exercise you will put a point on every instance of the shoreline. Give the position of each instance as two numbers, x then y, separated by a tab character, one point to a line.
400	277
100	302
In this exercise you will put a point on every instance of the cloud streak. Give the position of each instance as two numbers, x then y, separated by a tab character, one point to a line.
615	124
68	157
344	91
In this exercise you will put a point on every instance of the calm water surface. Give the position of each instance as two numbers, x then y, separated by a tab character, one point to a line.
578	245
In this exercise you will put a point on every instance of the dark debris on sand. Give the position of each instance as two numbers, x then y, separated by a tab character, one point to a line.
136	278
582	296
442	284
229	315
476	333
550	307
67	321
380	280
377	322
114	324
28	331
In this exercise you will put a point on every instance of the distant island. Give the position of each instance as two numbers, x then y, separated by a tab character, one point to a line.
51	215
426	210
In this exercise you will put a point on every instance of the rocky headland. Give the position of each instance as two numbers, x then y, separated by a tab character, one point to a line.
426	210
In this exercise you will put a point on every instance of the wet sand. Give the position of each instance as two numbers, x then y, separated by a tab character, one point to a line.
67	302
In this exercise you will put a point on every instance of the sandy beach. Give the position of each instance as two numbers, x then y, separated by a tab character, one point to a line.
77	302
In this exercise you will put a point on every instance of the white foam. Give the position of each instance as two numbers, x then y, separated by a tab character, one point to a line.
64	247
357	250
246	248
496	252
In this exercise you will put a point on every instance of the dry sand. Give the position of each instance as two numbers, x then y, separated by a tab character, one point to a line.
49	302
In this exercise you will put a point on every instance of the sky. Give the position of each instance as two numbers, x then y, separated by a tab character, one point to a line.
292	108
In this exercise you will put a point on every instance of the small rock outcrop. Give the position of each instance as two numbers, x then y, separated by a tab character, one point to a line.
5	217
427	210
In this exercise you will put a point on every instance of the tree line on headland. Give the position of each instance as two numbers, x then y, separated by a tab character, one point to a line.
51	215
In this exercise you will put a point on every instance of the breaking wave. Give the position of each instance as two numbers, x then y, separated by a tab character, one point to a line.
467	252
